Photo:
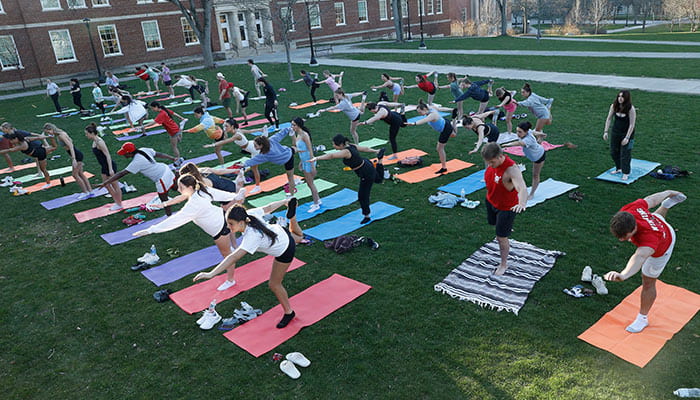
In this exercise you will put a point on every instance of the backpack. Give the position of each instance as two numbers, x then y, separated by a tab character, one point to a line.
413	161
344	243
676	171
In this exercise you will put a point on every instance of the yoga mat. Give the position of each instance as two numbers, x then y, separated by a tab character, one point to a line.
420	117
182	266
302	192
56	112
473	280
70	199
148	124
208	109
271	129
110	122
125	235
271	184
548	190
256	122
34	177
353	104
198	296
401	155
174	97
69	114
230	163
145	95
425	173
184	103
260	335
206	157
331	202
470	184
518	150
17	168
251	115
54	183
351	221
104	210
638	170
673	308
309	104
139	135
101	115
367	143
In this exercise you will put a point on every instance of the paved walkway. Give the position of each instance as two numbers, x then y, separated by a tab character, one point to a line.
585	39
629	54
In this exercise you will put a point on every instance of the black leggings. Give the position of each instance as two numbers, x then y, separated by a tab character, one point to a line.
271	113
77	100
396	121
101	106
314	86
368	176
621	155
54	98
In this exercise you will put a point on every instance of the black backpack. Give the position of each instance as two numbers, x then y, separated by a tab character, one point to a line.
344	243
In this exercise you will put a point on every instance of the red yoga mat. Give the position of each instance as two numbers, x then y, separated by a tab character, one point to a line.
260	335
518	151
198	296
54	182
673	308
401	155
130	130
423	174
104	210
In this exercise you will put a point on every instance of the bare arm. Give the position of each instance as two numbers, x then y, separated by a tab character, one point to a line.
226	263
634	264
379	115
607	122
270	208
633	122
103	148
519	185
654	200
479	140
432	117
115	178
165	156
329	156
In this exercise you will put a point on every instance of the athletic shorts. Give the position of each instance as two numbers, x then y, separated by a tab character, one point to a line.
446	133
396	89
105	168
510	107
288	254
226	102
39	153
166	182
244	102
223	232
167	83
654	266
541	160
503	220
358	117
289	165
78	155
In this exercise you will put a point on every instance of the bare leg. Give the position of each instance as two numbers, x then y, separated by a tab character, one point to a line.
256	175
648	294
223	243
309	176
219	155
509	121
80	177
116	192
460	109
353	131
295	230
536	168
275	284
442	154
174	140
340	78
290	178
504	247
42	167
482	106
8	160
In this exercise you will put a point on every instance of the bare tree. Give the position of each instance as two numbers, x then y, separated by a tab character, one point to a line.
649	7
200	22
396	12
283	14
597	11
525	7
489	18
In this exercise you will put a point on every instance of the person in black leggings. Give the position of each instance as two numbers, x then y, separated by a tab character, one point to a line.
270	103
310	81
76	93
364	168
31	146
395	121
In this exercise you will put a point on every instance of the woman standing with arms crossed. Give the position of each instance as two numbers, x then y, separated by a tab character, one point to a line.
107	165
622	138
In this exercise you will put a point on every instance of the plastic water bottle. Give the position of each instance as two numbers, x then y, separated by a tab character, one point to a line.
153	249
462	193
686	392
212	306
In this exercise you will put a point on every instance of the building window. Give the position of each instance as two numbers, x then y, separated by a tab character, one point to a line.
287	16
339	14
404	8
110	40
429	5
144	1
188	32
100	3
151	35
438	6
362	11
383	15
463	15
48	5
9	56
2	10
62	46
421	7
72	4
315	16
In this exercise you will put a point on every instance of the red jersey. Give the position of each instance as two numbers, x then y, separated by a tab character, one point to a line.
426	85
651	230
168	123
224	88
496	193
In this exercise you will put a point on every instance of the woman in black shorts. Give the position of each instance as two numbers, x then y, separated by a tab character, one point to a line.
62	138
107	165
395	121
31	146
364	168
441	125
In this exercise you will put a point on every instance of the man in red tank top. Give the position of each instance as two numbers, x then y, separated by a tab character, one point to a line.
654	239
506	195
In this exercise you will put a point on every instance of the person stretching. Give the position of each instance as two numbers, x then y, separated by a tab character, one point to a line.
59	136
433	118
310	81
456	92
508	104
425	85
476	123
395	121
238	137
654	238
214	177
270	150
473	90
532	150
396	88
165	118
225	93
344	103
207	123
270	103
107	165
330	80
538	105
303	147
31	146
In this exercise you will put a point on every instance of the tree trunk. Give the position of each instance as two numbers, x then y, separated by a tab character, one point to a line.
503	6
287	52
524	22
207	53
396	11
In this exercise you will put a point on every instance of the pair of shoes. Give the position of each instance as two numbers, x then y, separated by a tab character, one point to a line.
578	291
587	274
576	195
209	319
7	181
470	204
599	285
20	191
146	261
288	366
319	148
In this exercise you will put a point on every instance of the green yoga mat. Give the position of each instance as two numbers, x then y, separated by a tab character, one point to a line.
302	191
230	163
53	172
56	112
100	115
367	143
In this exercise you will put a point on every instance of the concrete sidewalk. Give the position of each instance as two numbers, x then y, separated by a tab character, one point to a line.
625	54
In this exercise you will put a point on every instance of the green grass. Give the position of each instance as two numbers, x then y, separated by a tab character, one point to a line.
76	323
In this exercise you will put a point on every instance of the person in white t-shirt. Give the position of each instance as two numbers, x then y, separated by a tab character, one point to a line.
53	91
257	74
272	239
143	161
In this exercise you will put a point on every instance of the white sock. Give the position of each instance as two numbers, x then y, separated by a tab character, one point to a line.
673	200
639	324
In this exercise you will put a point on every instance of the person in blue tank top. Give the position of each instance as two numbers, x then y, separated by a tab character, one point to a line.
441	125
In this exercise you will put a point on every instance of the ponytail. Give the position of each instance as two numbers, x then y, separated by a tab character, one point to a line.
421	105
238	213
300	123
190	181
91	128
340	140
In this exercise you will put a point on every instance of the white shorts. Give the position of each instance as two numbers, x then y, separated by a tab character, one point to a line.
165	182
654	266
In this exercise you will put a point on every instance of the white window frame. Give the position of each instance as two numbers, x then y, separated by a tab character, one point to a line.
335	8
116	36
145	41
292	23
19	59
58	6
144	1
316	15
100	4
429	7
83	5
438	6
183	23
404	8
420	5
386	11
70	41
359	16
2	10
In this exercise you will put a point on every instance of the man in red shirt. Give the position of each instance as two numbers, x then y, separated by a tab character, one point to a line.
654	239
225	93
506	195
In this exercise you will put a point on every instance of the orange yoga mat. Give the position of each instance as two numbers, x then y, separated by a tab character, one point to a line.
104	210
423	174
54	183
198	296
17	168
260	335
309	104
130	130
673	308
271	184
401	155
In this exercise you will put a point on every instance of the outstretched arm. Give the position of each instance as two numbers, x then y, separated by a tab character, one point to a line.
654	200
634	264
228	262
329	156
270	208
165	156
519	185
114	178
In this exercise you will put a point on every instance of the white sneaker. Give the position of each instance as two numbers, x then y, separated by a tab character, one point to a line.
19	192
587	274
638	325
15	188
203	318
314	207
115	207
211	319
83	196
227	284
256	189
599	285
282	221
150	259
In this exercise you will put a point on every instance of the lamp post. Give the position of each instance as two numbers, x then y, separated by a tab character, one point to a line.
313	61
92	46
422	45
408	15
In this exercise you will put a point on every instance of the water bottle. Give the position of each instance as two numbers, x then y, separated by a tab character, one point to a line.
153	249
212	306
462	193
686	392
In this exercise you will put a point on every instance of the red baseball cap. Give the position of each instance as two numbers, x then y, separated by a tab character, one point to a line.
127	148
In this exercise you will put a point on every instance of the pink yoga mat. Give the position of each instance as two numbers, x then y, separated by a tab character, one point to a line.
256	122
198	296
17	168
104	211
54	182
260	335
518	151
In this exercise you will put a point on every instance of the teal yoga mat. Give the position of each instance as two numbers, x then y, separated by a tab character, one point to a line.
351	221
52	173
302	192
638	170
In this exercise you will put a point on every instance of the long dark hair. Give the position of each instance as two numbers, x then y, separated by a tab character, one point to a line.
421	105
264	144
300	123
190	181
340	140
91	128
626	105
238	213
161	107
527	88
526	126
191	169
232	122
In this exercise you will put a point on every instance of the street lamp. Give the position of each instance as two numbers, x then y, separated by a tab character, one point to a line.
313	61
408	15
422	45
92	46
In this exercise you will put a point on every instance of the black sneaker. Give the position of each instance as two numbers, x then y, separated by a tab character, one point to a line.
292	208
380	155
286	320
374	245
455	112
139	266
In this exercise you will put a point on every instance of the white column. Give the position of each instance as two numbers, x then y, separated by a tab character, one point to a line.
267	24
252	30
235	30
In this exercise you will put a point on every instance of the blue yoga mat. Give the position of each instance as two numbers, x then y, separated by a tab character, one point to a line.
206	157
418	118
638	170
271	129
351	221
331	202
470	184
70	199
124	235
208	109
549	189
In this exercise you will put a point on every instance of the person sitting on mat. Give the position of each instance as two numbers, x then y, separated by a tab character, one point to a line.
59	136
238	137
364	168
143	161
442	125
506	196
271	239
31	146
532	150
654	238
270	150
208	124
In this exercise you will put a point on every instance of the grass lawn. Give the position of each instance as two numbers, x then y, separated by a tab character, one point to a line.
659	32
77	323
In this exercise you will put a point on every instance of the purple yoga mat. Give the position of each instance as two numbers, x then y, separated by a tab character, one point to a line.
70	199
204	158
124	235
138	135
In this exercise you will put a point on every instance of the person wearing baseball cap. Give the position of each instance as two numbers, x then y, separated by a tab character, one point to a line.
225	93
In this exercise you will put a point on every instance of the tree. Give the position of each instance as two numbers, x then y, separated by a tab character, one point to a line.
649	7
597	11
526	7
503	8
396	12
200	22
284	15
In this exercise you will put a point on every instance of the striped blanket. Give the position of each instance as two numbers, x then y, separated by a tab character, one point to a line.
473	280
